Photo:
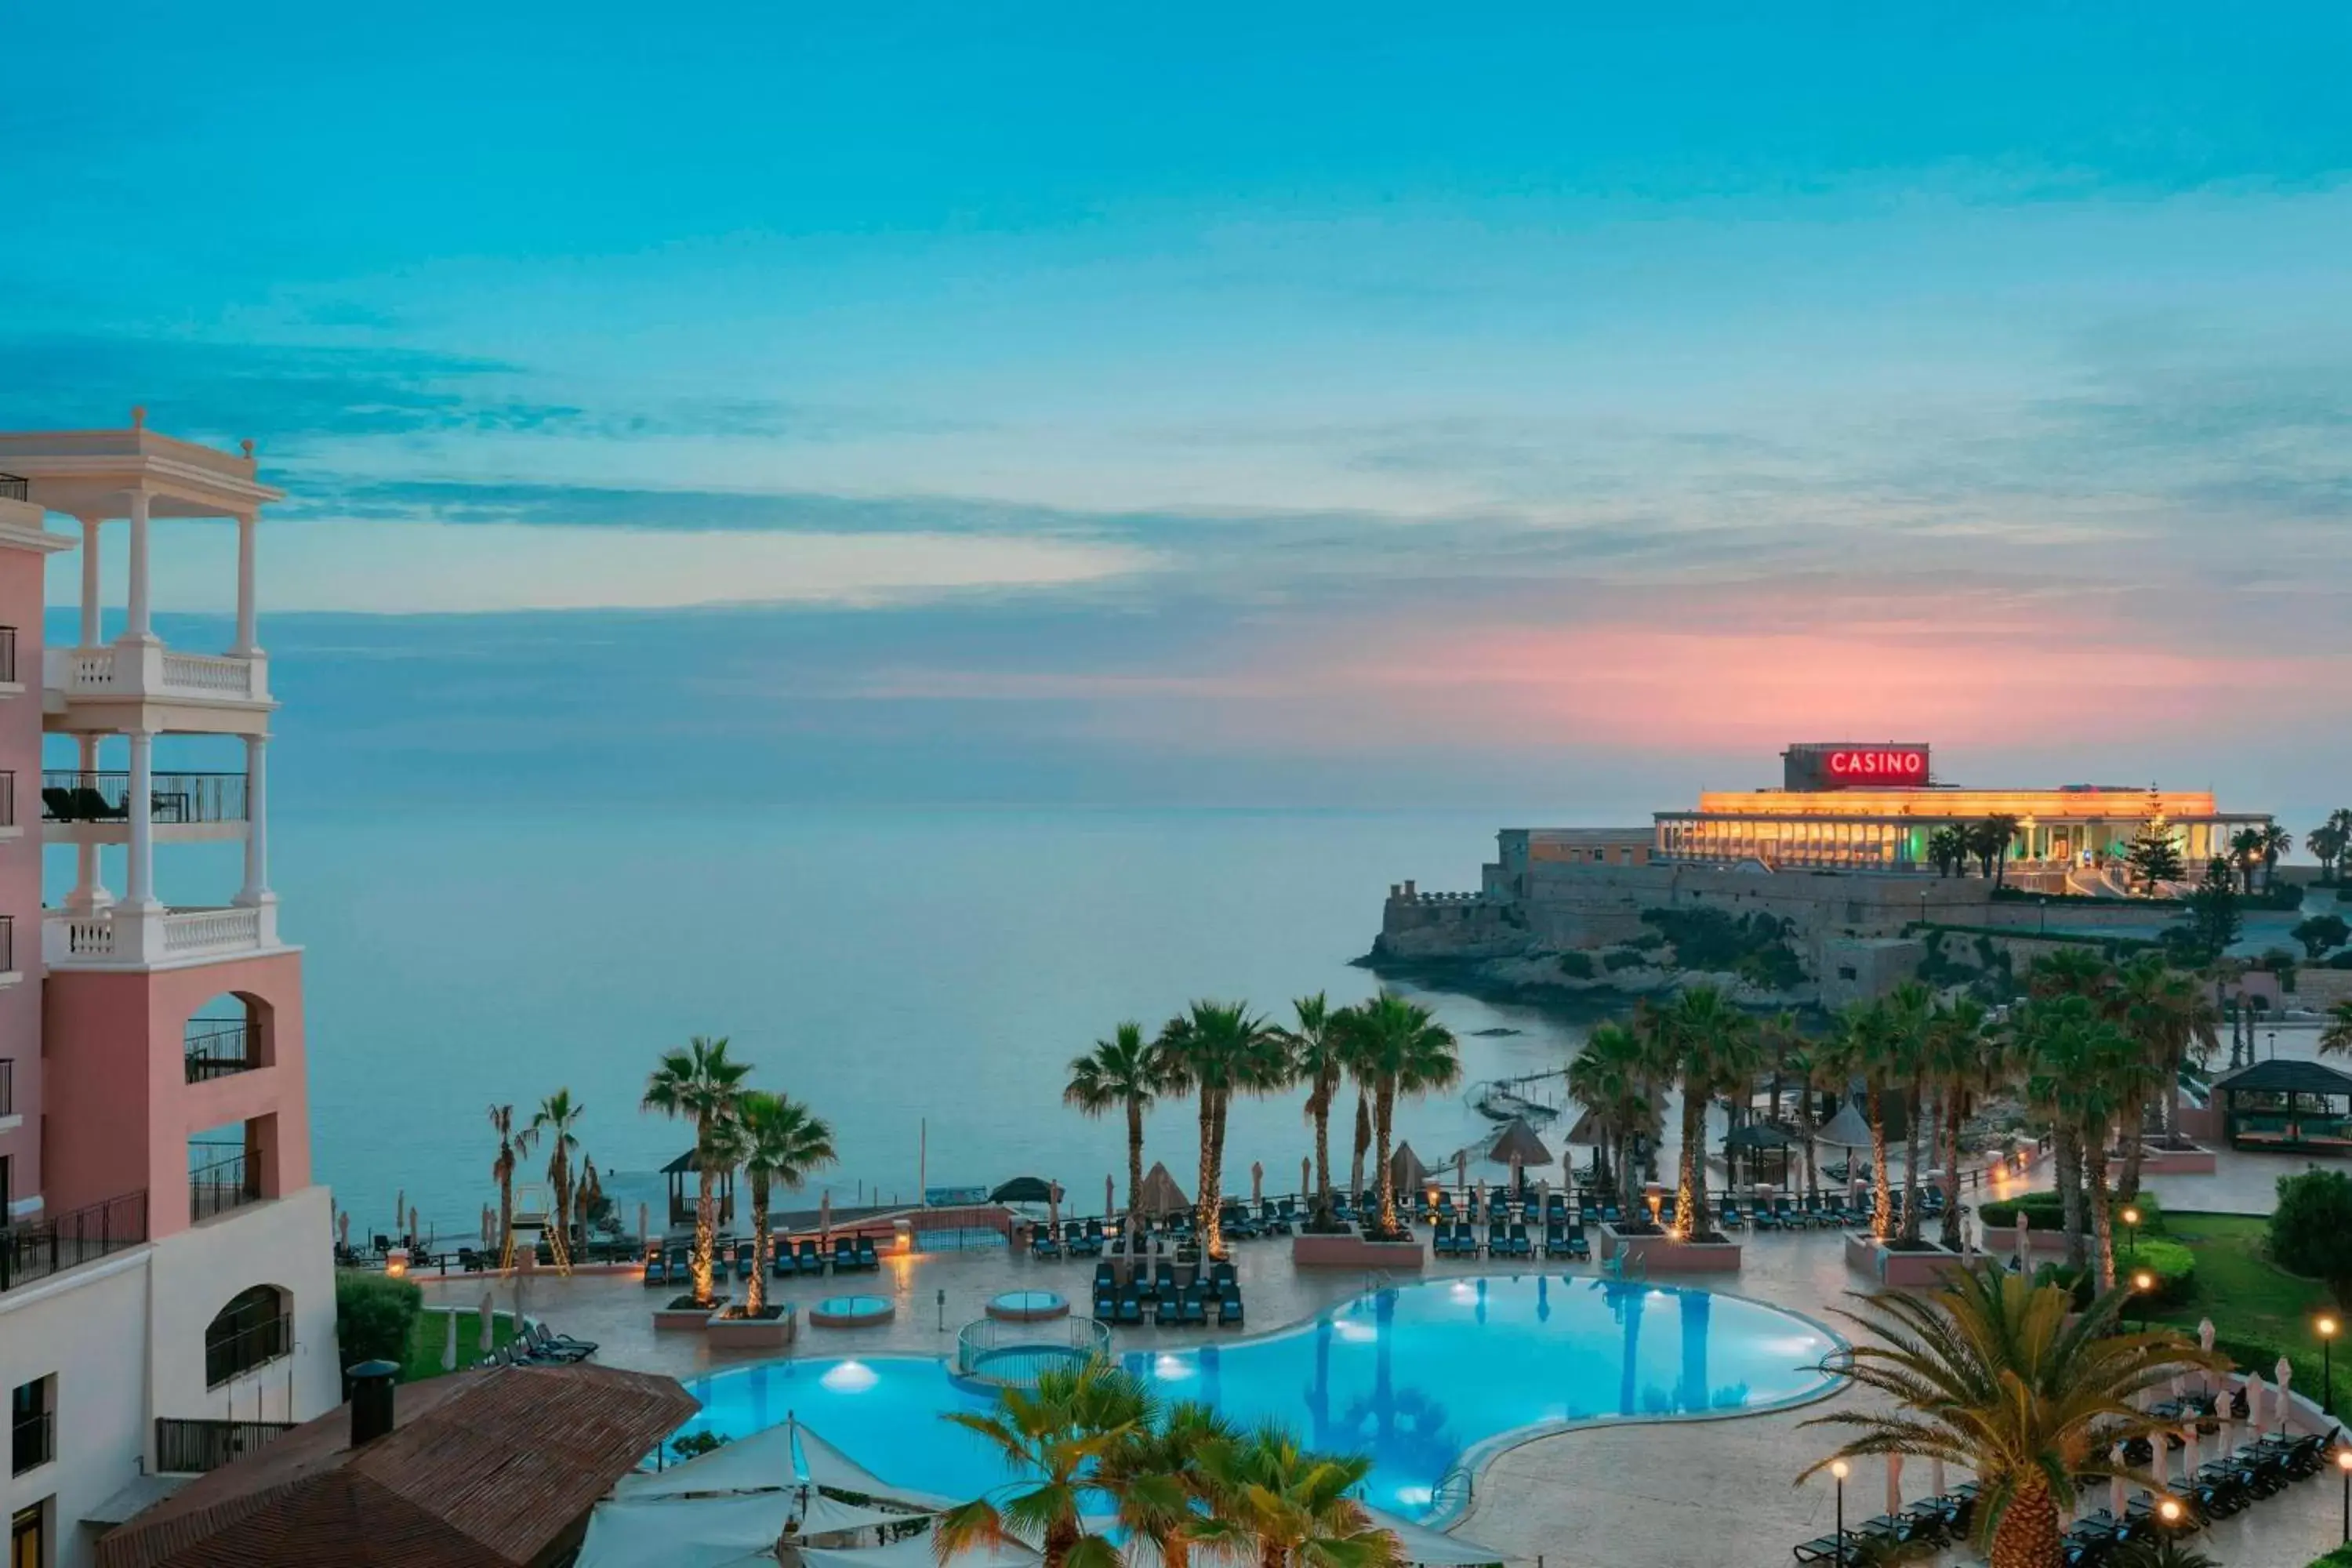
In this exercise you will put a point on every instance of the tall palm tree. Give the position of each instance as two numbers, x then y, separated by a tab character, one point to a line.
1052	1438
2165	1010
1402	1051
2077	1064
1291	1508
1611	1077
1869	1047
1999	1377
781	1143
557	1115
1317	1059
1218	1049
502	1170
1710	1043
1960	1061
1128	1071
2247	847
700	1084
1911	1011
2276	842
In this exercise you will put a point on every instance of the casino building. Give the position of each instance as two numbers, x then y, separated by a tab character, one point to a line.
1873	806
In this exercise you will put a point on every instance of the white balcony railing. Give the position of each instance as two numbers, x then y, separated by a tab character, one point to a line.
114	937
154	672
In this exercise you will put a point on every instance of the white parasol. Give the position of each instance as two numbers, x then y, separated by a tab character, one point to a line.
449	1349
2205	1344
1305	1178
1257	1182
644	1225
1894	1483
2279	1406
2116	1484
1053	1208
1936	1476
824	1215
2023	1245
490	1316
1462	1171
399	1208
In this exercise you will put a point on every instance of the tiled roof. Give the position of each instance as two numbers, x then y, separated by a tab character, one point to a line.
482	1469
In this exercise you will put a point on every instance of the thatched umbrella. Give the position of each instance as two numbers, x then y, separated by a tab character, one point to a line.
1847	1129
1406	1169
1161	1195
1517	1144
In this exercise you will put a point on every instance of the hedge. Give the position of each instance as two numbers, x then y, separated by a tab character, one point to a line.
2042	1211
1577	965
2339	1558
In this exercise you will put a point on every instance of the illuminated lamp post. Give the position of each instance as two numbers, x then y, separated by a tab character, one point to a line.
2328	1325
2143	1283
1839	1469
2168	1511
2131	1231
2344	1464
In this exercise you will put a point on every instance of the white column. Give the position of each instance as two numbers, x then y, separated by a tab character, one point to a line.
256	890
245	646
89	892
140	892
137	629
89	605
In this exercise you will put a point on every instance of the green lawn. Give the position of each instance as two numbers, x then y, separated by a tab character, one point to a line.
2258	1309
429	1338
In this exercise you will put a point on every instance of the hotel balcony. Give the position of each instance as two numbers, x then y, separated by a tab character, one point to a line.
218	1047
128	686
80	807
118	936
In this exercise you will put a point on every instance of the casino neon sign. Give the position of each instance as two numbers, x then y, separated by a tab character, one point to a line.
1888	765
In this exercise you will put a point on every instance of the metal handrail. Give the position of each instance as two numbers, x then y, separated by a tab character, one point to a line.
38	1248
217	1049
222	1185
232	1355
196	1446
16	486
103	795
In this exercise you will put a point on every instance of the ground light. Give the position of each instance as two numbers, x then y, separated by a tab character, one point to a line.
2327	1326
2168	1511
1839	1469
2143	1283
2131	1228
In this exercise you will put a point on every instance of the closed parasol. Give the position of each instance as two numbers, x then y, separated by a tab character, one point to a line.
1257	1181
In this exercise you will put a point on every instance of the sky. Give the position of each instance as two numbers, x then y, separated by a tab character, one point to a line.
1363	407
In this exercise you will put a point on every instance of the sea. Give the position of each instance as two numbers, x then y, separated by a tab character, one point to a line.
920	977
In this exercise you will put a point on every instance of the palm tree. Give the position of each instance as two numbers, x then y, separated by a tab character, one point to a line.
1610	1077
2166	1011
2276	842
1291	1508
781	1144
1989	839
1948	846
1128	1071
2336	1037
1958	1059
700	1084
1996	1375
2247	847
1710	1044
2329	841
1052	1438
1216	1049
2081	1067
1400	1051
1869	1048
1910	1010
557	1115
1319	1059
502	1170
1158	1480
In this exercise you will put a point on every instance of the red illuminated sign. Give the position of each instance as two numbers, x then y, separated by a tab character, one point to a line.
1879	764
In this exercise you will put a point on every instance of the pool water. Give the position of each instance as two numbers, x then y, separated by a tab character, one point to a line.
1421	1376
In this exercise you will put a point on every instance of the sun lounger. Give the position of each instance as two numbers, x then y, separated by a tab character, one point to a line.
867	1257
1517	1242
845	1255
1042	1244
656	1266
1229	1310
806	1259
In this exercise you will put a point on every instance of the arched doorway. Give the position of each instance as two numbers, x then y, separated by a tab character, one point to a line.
254	1329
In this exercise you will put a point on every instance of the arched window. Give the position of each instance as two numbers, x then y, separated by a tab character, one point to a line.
253	1328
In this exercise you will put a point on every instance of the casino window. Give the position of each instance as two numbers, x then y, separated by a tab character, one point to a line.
251	1330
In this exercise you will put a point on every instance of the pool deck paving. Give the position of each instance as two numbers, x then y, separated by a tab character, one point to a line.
1666	1494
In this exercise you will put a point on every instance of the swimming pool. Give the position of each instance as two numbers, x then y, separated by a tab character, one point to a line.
1423	1377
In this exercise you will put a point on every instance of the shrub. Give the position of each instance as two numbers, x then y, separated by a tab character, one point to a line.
1618	958
376	1316
1578	965
2043	1212
2172	1266
2339	1558
694	1445
2311	1229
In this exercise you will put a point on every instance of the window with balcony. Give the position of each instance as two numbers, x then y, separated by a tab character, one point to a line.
223	1037
254	1329
32	1425
223	1174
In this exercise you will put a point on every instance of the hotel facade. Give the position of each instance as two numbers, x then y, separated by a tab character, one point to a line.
165	1258
1876	806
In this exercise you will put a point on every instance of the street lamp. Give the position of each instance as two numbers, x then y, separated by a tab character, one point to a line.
1841	1469
2142	1283
2328	1325
2168	1511
2344	1464
2131	1228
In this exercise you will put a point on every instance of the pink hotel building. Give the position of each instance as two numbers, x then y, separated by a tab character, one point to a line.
165	1259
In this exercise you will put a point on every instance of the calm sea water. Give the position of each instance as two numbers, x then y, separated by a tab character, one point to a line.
896	969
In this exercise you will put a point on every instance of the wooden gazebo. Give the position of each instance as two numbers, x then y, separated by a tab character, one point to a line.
685	1190
2287	1105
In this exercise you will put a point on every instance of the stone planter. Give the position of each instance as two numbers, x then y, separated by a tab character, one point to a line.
1662	1254
725	1333
693	1315
1901	1270
1352	1249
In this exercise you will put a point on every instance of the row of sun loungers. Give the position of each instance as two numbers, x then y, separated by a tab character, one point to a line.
1460	1239
537	1345
850	1255
1213	1296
